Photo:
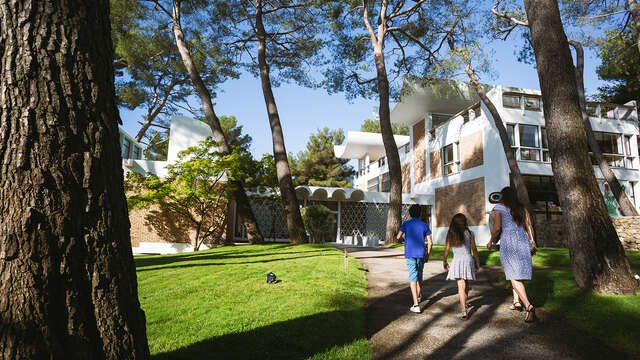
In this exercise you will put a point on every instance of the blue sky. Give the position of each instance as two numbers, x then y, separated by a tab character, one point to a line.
303	110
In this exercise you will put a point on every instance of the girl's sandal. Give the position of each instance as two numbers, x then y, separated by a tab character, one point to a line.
517	306
463	314
531	314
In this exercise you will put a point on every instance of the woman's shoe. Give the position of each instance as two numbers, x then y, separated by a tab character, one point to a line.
531	314
463	314
517	306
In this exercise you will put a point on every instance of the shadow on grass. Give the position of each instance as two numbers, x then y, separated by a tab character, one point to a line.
236	253
198	264
292	339
610	321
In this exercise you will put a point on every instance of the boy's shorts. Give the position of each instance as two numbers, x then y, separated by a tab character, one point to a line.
415	267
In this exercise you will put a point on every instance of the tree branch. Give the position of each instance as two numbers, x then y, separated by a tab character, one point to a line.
265	12
494	10
407	11
361	82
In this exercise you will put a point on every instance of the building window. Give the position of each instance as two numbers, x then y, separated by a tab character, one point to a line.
372	184
382	161
529	144
136	153
386	183
126	147
511	101
510	133
630	192
614	150
532	103
451	159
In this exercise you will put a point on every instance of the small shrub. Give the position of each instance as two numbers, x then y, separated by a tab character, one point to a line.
318	220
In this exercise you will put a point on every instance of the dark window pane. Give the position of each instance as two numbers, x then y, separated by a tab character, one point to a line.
532	103
511	101
528	135
510	130
608	142
529	154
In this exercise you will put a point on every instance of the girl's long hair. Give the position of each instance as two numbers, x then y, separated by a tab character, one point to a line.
510	199
457	228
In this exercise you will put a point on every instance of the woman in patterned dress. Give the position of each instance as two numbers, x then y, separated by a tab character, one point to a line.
513	225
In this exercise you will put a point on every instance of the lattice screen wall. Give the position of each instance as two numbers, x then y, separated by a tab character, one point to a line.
357	219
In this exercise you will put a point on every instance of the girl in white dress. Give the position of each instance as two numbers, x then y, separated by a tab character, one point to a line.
463	267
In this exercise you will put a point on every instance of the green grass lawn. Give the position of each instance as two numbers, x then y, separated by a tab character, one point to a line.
215	304
615	320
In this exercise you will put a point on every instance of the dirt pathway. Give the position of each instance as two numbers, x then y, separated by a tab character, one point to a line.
492	331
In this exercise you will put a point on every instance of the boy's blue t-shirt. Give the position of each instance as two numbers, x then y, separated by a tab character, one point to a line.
414	231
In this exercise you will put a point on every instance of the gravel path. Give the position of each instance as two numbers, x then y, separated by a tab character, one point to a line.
492	331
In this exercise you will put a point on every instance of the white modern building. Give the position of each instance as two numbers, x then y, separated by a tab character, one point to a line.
454	155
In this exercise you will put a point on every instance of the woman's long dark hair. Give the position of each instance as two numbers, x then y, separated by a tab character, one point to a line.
510	199
457	228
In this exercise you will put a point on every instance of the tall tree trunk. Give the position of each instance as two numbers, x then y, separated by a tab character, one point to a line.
634	8
394	214
620	195
521	189
597	257
242	200
69	288
297	233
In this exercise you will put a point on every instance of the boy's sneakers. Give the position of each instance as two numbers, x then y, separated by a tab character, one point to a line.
415	309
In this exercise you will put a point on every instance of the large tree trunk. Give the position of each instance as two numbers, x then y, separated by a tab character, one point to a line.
621	196
394	214
244	208
597	257
634	8
68	288
297	233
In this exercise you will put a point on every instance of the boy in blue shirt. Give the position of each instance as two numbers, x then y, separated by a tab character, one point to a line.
415	231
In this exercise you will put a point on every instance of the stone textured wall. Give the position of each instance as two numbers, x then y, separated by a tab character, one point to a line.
471	151
406	178
155	225
628	228
465	197
435	164
419	153
552	233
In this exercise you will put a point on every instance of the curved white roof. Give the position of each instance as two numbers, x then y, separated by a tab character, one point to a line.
328	193
359	144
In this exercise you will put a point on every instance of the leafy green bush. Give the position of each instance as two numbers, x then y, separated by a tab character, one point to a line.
318	220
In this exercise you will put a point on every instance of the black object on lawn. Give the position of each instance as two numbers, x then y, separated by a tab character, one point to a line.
271	278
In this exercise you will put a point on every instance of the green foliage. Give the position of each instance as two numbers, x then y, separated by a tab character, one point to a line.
373	126
196	304
295	37
233	133
318	220
150	72
620	66
195	190
317	165
415	47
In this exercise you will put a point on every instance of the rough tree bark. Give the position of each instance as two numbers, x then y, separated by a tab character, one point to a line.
240	196
297	233
394	215
621	196
597	256
634	9
68	286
